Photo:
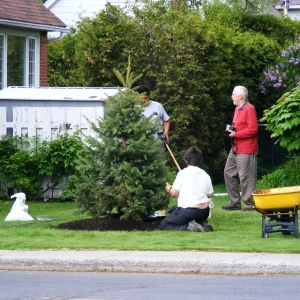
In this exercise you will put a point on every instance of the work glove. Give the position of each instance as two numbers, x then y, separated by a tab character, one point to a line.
168	187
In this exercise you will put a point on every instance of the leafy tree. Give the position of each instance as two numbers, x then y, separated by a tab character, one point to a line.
283	30
190	64
283	119
233	12
122	173
194	65
101	44
61	56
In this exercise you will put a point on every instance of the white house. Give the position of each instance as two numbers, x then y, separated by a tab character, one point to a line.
290	8
23	42
72	11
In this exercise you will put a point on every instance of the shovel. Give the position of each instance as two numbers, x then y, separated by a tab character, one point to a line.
172	208
174	159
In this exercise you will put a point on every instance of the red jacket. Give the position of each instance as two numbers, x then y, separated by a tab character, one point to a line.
246	125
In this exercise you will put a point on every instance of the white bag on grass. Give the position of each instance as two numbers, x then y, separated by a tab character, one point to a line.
19	211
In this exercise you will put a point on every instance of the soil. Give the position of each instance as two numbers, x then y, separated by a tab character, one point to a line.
112	224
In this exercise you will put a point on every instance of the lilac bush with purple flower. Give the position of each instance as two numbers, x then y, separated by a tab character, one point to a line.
286	73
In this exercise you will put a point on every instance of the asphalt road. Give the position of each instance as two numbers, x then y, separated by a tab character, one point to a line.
24	285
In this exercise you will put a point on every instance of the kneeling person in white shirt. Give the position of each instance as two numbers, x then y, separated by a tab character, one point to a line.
193	187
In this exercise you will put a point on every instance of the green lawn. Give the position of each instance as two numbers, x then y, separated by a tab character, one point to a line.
234	231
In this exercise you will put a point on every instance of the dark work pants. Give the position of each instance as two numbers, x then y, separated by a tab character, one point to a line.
180	217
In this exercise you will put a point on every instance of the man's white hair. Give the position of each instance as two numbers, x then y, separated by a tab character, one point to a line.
241	90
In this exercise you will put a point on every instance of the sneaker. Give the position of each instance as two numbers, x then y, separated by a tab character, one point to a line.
248	209
194	226
230	207
207	227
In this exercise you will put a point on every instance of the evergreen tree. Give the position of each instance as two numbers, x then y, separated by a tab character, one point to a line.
123	172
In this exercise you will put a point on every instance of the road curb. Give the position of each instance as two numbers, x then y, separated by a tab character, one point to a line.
142	267
152	262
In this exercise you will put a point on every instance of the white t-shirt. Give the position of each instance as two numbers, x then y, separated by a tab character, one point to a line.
193	185
157	111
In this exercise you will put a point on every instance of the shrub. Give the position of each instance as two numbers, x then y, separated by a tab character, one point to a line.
19	165
286	175
283	119
58	156
25	162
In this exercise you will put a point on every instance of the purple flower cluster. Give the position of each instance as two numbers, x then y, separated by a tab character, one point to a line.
285	73
274	78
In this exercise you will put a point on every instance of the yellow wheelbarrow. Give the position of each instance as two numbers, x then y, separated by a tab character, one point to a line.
280	205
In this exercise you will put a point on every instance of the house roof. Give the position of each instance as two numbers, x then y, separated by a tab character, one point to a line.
29	14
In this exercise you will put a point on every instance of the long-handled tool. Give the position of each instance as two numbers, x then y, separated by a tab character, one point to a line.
174	159
170	209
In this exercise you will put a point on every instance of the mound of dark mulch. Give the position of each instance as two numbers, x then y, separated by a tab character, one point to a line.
109	223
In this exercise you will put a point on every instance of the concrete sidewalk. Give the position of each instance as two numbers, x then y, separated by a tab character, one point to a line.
152	262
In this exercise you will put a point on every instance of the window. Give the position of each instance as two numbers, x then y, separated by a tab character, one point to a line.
19	59
16	50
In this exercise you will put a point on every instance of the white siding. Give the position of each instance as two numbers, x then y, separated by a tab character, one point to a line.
294	14
47	122
48	111
2	124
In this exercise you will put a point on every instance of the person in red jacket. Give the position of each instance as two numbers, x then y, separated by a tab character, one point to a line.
240	164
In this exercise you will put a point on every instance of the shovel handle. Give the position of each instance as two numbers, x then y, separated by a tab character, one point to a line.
165	142
177	165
